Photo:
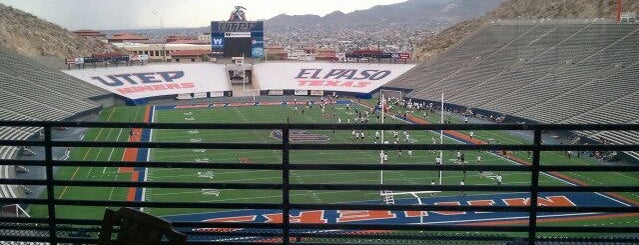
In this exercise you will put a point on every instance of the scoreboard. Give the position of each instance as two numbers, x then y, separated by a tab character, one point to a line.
237	38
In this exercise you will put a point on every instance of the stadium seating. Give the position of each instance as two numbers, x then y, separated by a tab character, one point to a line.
52	79
30	91
550	72
25	231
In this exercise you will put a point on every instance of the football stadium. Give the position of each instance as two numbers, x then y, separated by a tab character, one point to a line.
522	132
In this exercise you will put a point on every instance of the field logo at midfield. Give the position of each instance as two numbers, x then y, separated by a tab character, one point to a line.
301	136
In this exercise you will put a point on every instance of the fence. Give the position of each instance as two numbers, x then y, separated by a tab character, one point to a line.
60	230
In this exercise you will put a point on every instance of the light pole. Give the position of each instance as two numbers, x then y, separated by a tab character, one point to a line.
161	34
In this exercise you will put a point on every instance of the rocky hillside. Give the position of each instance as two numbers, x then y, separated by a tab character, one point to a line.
404	12
527	9
30	36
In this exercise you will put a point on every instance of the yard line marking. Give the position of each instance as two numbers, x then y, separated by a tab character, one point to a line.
112	150
98	155
113	188
148	156
635	179
66	188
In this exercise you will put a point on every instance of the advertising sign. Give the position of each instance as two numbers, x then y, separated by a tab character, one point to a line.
228	38
237	26
257	52
276	92
301	92
347	77
317	93
215	94
236	34
217	42
199	95
136	82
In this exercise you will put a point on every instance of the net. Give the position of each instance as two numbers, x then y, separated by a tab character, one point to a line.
392	94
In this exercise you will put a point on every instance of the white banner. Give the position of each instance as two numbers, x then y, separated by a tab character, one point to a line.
139	57
184	97
317	93
301	92
135	82
215	94
237	34
199	95
347	77
276	92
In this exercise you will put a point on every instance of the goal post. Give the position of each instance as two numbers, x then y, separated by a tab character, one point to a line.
391	94
14	210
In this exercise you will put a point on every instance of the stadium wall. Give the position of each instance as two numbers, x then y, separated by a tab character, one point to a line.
105	100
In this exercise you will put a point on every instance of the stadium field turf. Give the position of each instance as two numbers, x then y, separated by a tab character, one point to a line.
279	114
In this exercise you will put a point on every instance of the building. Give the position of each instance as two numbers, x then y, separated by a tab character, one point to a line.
629	17
165	51
185	56
128	37
90	33
276	53
205	37
173	38
325	54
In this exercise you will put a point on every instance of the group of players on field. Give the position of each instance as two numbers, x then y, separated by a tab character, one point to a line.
361	116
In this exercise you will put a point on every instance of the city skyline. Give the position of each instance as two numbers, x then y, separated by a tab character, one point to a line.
139	14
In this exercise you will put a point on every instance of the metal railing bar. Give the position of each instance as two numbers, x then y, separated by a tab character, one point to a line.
23	220
188	165
176	185
272	226
267	146
333	166
40	163
420	166
25	238
591	168
390	235
172	145
589	188
398	207
338	234
501	127
48	157
403	227
286	202
25	201
553	209
189	185
461	147
547	148
534	188
234	206
377	187
575	229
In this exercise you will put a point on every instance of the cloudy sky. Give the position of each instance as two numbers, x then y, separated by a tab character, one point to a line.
131	14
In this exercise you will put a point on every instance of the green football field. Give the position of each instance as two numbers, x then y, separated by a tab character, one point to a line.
279	114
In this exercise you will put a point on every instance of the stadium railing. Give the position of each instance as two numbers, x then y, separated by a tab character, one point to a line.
60	230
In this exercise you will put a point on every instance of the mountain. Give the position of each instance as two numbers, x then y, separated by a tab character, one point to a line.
409	11
30	36
523	9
